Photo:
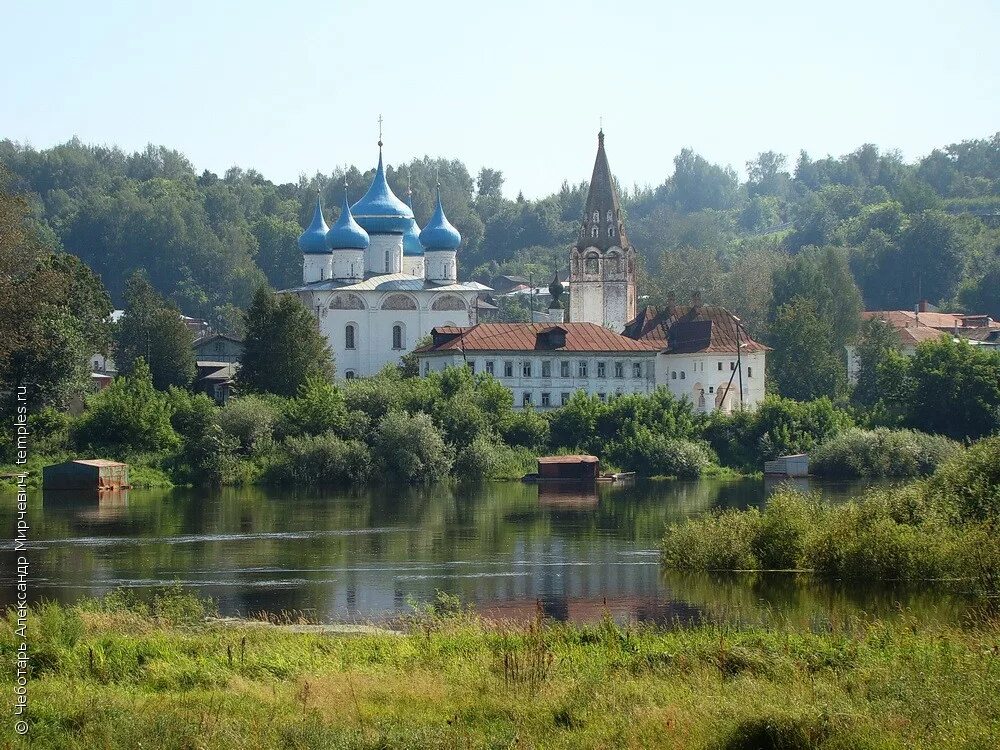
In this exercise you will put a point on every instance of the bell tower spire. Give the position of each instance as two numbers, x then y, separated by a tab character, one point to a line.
602	262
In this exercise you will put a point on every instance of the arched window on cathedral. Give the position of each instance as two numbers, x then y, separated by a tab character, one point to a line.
593	232
591	264
397	336
597	215
610	215
611	231
387	261
349	336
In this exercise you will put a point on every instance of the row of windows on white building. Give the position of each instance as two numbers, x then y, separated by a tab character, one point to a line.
674	374
527	368
528	398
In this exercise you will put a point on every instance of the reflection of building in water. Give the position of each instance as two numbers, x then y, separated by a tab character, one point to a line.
568	495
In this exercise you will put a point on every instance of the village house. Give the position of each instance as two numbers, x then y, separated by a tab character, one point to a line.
926	323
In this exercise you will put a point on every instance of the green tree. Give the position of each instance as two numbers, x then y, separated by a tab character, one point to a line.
805	363
152	330
283	346
822	275
410	449
53	312
128	415
875	343
955	389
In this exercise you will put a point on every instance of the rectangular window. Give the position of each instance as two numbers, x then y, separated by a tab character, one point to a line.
749	372
637	369
602	396
546	399
732	365
602	370
526	399
581	368
508	369
564	369
427	368
546	368
490	367
526	368
564	398
619	369
720	367
471	364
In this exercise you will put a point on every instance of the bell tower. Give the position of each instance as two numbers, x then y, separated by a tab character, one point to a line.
602	262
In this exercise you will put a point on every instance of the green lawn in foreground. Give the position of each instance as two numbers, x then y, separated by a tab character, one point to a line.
121	676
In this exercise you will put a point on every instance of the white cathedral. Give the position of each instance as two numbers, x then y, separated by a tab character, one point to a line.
378	283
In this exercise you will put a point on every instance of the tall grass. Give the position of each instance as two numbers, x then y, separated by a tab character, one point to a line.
115	675
881	453
945	527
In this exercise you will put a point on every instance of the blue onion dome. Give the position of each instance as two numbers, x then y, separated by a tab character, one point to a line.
379	211
313	240
411	240
411	237
439	234
346	233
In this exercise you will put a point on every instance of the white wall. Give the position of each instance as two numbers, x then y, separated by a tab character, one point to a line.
440	265
686	375
413	265
348	264
376	253
373	337
555	385
316	267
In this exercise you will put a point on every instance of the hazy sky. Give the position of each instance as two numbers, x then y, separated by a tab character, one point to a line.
294	87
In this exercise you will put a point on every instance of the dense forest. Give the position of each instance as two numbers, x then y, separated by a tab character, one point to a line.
796	250
923	230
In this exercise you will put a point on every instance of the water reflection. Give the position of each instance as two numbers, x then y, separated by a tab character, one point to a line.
507	548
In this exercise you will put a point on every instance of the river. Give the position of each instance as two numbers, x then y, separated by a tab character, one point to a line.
505	549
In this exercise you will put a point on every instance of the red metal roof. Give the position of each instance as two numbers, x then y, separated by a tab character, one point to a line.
573	459
680	329
526	337
941	320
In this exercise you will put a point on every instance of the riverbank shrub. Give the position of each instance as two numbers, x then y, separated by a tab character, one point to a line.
249	422
881	453
928	529
128	415
654	454
779	426
409	449
969	482
320	460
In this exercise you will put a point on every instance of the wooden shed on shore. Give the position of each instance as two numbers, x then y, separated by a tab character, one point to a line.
86	474
577	467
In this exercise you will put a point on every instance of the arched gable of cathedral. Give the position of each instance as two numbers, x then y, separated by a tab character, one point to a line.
346	302
448	302
399	302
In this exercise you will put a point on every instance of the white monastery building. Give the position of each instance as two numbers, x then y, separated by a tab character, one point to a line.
699	352
543	364
377	283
